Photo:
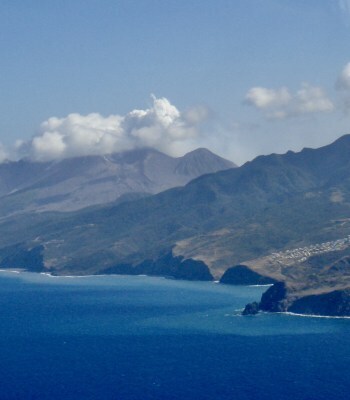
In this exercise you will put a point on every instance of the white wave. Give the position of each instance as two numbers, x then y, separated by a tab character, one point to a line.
11	271
313	315
68	276
267	285
76	276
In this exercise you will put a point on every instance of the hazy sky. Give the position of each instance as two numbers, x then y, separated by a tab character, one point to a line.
241	77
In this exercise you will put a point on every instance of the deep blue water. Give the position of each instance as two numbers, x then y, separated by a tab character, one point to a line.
116	337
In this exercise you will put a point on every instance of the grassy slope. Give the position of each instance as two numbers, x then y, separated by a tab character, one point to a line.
271	203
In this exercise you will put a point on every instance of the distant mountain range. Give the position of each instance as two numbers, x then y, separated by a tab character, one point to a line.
75	183
239	216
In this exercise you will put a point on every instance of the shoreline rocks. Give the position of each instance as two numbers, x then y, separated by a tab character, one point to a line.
278	298
243	275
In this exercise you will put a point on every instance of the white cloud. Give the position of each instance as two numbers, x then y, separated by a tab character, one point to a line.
197	114
310	99
162	126
280	103
343	81
267	98
50	144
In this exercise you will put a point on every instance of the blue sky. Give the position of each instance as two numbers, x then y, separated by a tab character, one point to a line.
241	77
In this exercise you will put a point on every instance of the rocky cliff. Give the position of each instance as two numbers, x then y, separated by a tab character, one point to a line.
168	266
279	299
327	294
242	275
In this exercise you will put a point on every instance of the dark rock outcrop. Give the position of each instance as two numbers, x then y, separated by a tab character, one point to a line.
243	275
251	309
168	266
278	298
175	267
274	298
336	303
20	257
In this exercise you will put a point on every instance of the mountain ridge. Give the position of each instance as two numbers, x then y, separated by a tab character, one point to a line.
78	182
222	219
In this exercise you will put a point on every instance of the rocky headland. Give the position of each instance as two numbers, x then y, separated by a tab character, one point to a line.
320	285
243	275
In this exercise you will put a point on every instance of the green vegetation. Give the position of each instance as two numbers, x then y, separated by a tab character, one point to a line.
272	203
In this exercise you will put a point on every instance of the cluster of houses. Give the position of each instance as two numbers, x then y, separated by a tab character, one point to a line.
303	253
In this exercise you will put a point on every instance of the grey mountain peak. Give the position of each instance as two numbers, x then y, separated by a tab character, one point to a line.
77	182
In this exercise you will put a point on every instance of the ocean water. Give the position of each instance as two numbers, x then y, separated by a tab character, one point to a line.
119	337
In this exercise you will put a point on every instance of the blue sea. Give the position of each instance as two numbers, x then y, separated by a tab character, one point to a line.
130	338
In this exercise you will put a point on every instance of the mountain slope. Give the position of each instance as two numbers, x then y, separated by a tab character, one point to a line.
272	203
74	183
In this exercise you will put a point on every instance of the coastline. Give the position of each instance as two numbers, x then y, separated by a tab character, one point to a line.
285	313
310	315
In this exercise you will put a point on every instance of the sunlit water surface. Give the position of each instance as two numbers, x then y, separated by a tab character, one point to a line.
121	337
